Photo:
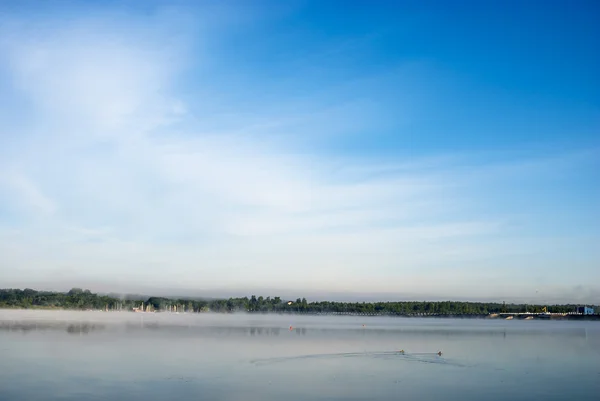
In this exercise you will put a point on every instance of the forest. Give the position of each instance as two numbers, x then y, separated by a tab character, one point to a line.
80	299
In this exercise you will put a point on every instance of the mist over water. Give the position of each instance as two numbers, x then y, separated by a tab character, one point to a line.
60	355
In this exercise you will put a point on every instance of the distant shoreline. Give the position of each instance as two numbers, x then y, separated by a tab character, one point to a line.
78	299
491	316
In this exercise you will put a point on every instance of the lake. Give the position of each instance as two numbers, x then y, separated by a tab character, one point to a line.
60	355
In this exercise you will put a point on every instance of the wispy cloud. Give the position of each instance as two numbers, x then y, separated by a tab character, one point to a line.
136	184
27	194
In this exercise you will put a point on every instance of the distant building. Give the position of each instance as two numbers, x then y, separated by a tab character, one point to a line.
585	310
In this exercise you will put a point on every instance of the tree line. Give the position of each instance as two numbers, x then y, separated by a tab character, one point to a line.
80	299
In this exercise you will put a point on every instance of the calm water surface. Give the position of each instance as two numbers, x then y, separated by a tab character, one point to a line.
48	355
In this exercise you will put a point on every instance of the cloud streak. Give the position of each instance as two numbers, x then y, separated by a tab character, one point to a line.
115	177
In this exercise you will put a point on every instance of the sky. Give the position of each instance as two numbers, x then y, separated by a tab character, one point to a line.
387	150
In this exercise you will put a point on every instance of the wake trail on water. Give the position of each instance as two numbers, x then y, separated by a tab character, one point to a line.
432	358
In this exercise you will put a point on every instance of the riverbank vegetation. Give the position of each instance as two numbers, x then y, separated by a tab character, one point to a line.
84	300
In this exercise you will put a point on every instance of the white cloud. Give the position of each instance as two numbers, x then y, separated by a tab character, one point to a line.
132	189
26	194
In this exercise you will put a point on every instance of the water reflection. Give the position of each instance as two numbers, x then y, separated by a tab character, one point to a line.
132	357
84	327
71	328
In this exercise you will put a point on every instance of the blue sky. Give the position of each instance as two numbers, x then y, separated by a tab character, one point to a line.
403	150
